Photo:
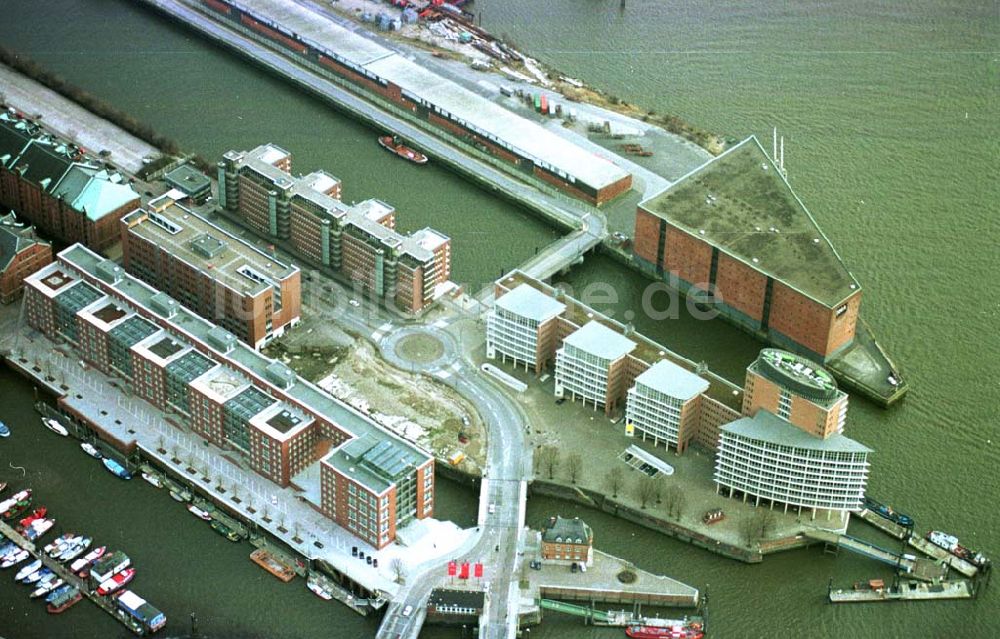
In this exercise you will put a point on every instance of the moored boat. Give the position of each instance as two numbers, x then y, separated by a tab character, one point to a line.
4	430
78	565
199	513
62	539
152	479
886	512
3	486
38	513
29	569
390	143
58	592
319	588
60	548
16	510
271	563
116	469
108	586
91	450
46	587
14	558
38	575
675	629
75	549
55	426
950	543
224	530
181	496
38	528
63	603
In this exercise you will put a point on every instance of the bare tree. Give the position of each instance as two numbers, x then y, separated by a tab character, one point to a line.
757	526
645	490
398	569
548	457
574	464
675	500
749	530
615	479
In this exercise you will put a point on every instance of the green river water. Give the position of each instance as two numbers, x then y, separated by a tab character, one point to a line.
890	114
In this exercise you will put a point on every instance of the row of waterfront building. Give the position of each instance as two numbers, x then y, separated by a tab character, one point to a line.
779	439
71	196
370	481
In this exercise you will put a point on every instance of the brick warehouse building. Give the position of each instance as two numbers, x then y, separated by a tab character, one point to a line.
210	271
684	404
21	254
735	226
384	75
359	241
52	183
370	481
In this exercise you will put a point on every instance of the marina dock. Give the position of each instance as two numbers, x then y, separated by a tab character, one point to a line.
915	567
906	591
104	603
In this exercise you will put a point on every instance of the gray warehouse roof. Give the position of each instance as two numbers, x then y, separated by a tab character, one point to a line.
599	340
769	428
672	380
477	112
527	301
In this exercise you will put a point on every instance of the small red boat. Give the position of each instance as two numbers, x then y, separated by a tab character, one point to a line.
390	143
35	516
114	583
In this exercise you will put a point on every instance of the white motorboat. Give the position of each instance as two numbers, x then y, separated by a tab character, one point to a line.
55	426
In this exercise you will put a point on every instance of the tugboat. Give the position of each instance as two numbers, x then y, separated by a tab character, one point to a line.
391	143
950	543
116	469
55	426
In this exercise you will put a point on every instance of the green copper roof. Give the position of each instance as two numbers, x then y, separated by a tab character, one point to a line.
740	203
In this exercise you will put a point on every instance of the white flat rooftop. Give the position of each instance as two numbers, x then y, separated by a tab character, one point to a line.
599	340
527	301
673	380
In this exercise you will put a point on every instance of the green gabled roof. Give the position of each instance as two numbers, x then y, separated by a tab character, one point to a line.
740	203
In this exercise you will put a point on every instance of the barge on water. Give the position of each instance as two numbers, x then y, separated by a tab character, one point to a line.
875	590
273	564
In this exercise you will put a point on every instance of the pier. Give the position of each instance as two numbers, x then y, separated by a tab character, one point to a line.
943	555
915	567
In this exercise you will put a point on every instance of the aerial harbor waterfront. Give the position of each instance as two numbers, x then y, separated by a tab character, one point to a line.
649	323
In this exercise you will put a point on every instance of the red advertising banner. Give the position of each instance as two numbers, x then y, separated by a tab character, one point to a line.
478	569
452	568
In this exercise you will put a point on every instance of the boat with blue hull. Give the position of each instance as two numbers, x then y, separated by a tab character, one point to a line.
116	469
